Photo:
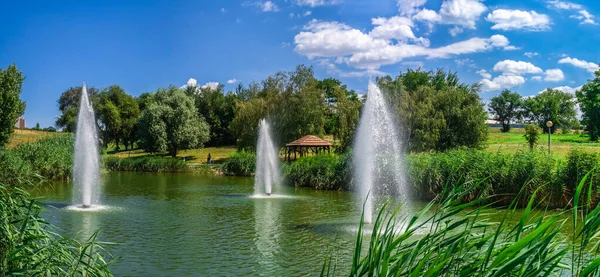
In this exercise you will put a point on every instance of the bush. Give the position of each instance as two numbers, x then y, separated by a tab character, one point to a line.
323	171
145	164
240	163
532	134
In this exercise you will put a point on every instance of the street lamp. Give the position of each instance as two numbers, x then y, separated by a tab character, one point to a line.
549	124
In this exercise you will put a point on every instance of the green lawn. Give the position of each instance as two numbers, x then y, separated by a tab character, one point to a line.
218	154
26	136
560	144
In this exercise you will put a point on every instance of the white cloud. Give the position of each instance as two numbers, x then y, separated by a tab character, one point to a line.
516	68
589	66
531	54
211	85
585	17
501	82
484	74
455	31
316	3
371	50
231	81
333	69
465	62
517	19
563	5
307	13
462	13
192	82
554	75
536	78
409	7
269	6
568	89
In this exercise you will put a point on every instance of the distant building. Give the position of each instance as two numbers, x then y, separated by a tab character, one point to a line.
20	124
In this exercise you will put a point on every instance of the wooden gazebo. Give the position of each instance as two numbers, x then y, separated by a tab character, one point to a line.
306	145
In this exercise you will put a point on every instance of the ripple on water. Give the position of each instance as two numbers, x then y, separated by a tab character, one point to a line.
272	196
92	208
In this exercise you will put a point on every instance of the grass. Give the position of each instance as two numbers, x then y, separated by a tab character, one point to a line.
26	136
560	144
193	156
449	238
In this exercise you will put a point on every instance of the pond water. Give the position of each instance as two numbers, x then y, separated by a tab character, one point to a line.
193	225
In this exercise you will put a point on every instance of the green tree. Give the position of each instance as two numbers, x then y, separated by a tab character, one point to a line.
117	113
589	102
11	105
170	123
553	105
68	105
506	107
436	111
532	134
218	110
244	125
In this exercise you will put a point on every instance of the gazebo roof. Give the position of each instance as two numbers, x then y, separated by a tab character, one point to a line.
309	141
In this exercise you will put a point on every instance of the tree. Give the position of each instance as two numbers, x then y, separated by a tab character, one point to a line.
11	106
532	134
553	105
435	110
218	110
342	112
506	107
37	127
589	102
117	113
68	105
170	123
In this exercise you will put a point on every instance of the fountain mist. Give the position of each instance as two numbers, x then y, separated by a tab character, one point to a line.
377	157
86	165
267	161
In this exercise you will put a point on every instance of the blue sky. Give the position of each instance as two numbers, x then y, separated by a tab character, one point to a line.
525	46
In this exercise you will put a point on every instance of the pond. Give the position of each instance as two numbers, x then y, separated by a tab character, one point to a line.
194	225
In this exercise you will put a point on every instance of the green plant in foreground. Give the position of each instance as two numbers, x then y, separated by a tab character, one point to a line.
451	238
29	247
532	134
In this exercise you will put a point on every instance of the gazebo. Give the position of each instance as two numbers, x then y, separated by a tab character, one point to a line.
306	145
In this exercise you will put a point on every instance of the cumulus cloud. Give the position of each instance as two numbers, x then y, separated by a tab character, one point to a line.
536	78
269	6
554	75
211	85
231	81
316	3
516	19
568	89
564	5
516	67
531	54
585	17
484	74
501	82
589	66
192	82
392	28
462	13
409	7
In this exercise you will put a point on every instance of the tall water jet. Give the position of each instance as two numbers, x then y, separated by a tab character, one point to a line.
377	157
267	161
86	167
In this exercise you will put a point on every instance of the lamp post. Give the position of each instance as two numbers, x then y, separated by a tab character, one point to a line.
549	124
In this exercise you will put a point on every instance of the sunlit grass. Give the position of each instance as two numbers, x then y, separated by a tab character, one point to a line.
27	136
560	144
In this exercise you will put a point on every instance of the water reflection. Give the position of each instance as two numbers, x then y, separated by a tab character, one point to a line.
267	226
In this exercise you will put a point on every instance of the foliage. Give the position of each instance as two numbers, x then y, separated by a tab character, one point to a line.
520	244
11	106
68	105
170	123
532	134
437	111
342	112
506	107
553	105
145	164
589	102
50	158
218	110
29	245
117	113
322	171
241	163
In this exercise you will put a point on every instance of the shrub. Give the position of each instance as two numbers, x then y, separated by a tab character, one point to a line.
240	163
532	134
578	164
145	164
323	171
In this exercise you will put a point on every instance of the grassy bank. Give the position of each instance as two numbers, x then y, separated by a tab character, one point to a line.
27	136
560	144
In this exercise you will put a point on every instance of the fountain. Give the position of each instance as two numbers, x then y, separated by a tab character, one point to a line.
377	158
267	162
86	164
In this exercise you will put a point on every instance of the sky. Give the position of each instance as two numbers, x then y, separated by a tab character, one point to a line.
525	46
